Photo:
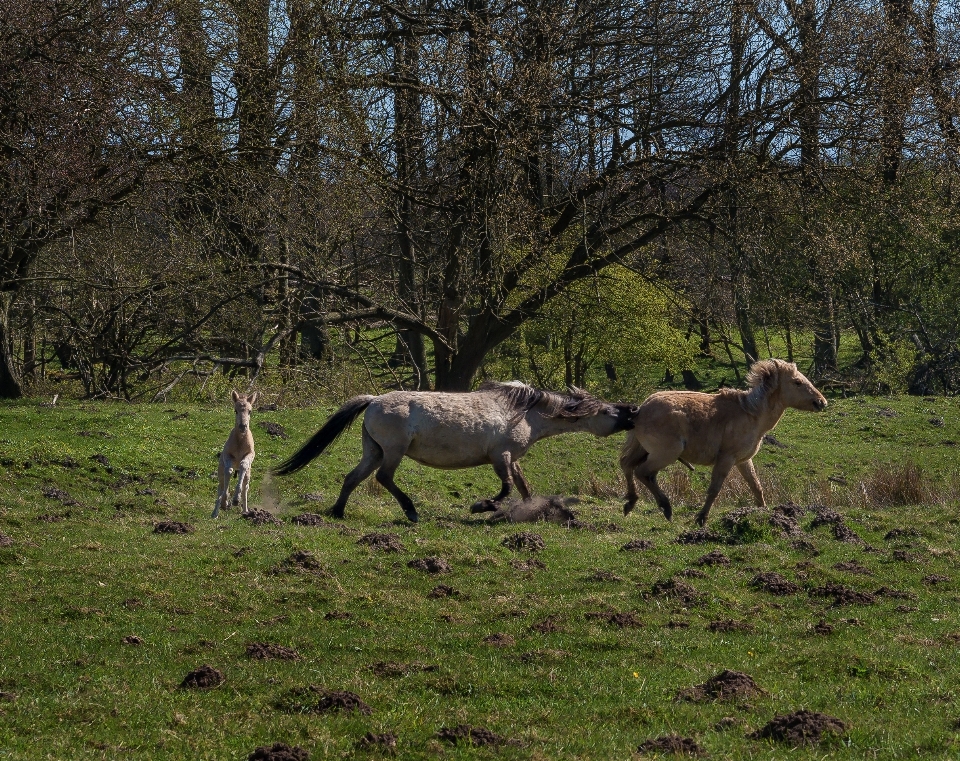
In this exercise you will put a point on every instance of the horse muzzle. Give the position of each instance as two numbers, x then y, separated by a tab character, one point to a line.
819	404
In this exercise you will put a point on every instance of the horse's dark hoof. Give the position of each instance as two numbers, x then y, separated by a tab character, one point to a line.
334	513
236	501
412	516
484	506
628	507
668	512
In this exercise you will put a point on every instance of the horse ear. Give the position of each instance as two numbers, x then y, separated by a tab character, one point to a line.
253	398
236	396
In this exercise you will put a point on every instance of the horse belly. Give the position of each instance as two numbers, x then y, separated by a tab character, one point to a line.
447	456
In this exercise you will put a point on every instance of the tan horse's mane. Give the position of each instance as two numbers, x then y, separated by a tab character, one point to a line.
522	398
762	380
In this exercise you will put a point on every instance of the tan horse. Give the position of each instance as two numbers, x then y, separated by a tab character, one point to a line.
494	425
237	454
721	430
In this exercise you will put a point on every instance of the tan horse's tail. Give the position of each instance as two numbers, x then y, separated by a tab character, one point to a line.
338	422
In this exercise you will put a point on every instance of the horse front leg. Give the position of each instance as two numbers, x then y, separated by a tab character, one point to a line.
520	481
720	471
750	476
502	466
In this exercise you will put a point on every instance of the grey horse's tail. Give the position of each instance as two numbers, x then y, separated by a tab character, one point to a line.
339	422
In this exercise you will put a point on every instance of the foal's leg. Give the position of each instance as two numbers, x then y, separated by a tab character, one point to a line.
372	457
721	469
224	486
243	483
750	476
502	466
519	481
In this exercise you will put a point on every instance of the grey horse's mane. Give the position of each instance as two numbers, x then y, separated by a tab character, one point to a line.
762	380
522	398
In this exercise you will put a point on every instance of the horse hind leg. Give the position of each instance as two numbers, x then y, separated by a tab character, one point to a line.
391	461
633	455
646	473
520	481
503	467
369	462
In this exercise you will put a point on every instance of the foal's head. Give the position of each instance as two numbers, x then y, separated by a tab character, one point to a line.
776	376
242	407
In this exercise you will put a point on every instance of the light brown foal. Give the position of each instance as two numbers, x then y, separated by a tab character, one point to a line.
237	454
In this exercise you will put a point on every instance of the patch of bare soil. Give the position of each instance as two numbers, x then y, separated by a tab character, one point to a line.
626	620
727	685
843	595
260	517
726	625
337	615
383	742
314	699
499	639
382	542
5	541
637	545
529	564
700	536
274	429
824	516
525	540
714	557
671	624
806	547
692	573
906	609
279	752
132	639
603	575
102	460
204	678
391	669
676	589
774	583
54	517
800	728
786	524
299	561
52	492
935	578
822	628
853	566
549	625
464	734
674	745
843	533
442	590
266	651
430	564
895	594
311	519
903	556
901	533
173	527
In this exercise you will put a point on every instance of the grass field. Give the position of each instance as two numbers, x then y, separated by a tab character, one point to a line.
537	655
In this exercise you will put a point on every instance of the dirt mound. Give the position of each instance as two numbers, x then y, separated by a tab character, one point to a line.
935	578
260	517
204	678
386	741
901	533
774	583
552	509
714	557
314	699
173	527
701	536
692	573
274	429
299	561
726	625
727	685
903	556
530	564
800	728
279	752
391	669
853	566
744	524
786	524
805	546
337	615
464	734
499	639
549	625
525	540
382	542
265	651
442	590
52	492
671	744
102	460
604	575
824	516
843	595
5	541
637	545
822	627
132	639
676	589
894	594
311	519
843	533
430	564
626	620
791	510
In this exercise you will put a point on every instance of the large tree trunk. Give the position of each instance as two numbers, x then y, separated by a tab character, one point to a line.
10	387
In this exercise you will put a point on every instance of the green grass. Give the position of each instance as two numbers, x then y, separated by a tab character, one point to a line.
590	690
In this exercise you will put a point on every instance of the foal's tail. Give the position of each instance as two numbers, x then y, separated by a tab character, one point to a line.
339	422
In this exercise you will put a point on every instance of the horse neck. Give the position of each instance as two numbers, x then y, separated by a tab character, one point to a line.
771	410
543	427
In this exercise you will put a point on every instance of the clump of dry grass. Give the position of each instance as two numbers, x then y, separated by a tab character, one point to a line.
893	485
602	488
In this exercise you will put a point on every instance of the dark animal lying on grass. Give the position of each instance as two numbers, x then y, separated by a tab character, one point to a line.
551	509
494	425
721	430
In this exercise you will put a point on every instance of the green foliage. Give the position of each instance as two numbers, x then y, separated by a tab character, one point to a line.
891	366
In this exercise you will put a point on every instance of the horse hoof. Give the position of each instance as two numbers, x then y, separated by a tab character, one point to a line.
216	512
668	513
338	514
628	508
413	517
484	506
236	501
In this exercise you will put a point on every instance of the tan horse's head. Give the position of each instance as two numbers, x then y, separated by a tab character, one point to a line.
242	407
774	376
